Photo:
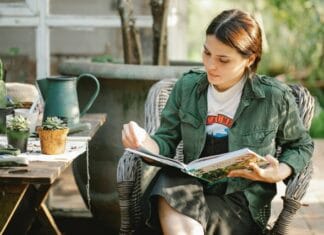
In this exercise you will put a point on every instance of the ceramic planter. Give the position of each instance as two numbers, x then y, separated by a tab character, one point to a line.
18	139
52	141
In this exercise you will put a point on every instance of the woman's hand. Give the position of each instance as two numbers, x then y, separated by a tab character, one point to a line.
273	173
134	136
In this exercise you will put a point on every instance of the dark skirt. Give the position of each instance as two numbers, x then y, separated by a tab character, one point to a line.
216	212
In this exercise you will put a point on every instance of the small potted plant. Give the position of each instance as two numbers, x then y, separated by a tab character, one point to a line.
18	132
53	135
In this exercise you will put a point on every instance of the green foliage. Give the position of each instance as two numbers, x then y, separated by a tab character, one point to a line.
317	128
14	51
53	123
296	38
18	123
103	59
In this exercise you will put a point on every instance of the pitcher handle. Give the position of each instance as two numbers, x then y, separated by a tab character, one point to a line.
95	94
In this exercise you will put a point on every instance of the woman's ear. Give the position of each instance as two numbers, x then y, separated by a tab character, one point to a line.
251	60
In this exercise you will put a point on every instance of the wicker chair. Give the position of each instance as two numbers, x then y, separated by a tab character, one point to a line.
134	176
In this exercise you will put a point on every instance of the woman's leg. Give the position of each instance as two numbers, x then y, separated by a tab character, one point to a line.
175	223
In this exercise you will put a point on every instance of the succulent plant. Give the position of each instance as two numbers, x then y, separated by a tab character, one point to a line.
53	123
18	123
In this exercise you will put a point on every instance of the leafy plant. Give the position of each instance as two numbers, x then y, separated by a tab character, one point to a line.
53	123
18	123
102	59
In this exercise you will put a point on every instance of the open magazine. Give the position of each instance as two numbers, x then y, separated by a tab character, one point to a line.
209	168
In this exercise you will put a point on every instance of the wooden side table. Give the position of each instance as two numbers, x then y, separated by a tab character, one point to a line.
23	190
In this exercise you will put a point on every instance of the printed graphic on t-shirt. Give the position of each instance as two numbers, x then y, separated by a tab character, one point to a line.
217	126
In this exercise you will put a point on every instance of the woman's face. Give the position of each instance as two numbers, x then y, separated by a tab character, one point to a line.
223	64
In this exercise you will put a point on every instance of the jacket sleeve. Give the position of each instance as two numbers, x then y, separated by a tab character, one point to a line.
168	134
297	145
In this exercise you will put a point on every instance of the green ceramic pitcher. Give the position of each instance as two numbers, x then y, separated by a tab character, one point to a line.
61	98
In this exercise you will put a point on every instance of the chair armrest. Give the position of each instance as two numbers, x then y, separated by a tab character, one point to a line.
133	178
129	172
295	191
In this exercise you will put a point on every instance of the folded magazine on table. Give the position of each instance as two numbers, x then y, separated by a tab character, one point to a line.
209	168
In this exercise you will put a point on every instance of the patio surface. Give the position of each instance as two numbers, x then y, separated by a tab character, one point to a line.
308	220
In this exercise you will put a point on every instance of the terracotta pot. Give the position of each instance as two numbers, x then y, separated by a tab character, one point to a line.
52	141
18	139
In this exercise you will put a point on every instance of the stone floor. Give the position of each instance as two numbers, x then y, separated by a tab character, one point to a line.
308	220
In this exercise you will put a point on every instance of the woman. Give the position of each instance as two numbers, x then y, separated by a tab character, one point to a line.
224	108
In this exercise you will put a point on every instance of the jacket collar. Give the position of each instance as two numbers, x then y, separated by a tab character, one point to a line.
252	88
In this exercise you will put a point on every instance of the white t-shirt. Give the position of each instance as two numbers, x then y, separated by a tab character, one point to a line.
221	109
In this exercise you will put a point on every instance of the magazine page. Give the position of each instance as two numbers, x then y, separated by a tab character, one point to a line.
159	159
215	167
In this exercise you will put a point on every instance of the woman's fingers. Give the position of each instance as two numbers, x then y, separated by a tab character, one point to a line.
248	174
125	140
270	174
133	135
127	137
272	161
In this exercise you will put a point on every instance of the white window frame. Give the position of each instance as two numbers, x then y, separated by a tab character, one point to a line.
35	13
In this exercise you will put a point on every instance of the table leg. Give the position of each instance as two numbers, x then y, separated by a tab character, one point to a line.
31	207
46	219
10	197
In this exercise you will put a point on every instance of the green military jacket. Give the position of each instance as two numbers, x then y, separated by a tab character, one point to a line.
266	117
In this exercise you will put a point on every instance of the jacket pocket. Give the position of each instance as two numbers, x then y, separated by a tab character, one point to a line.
188	118
260	141
192	135
257	138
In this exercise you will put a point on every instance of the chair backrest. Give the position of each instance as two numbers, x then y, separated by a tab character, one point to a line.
297	185
155	102
305	102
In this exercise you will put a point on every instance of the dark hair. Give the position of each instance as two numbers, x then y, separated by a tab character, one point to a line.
239	30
